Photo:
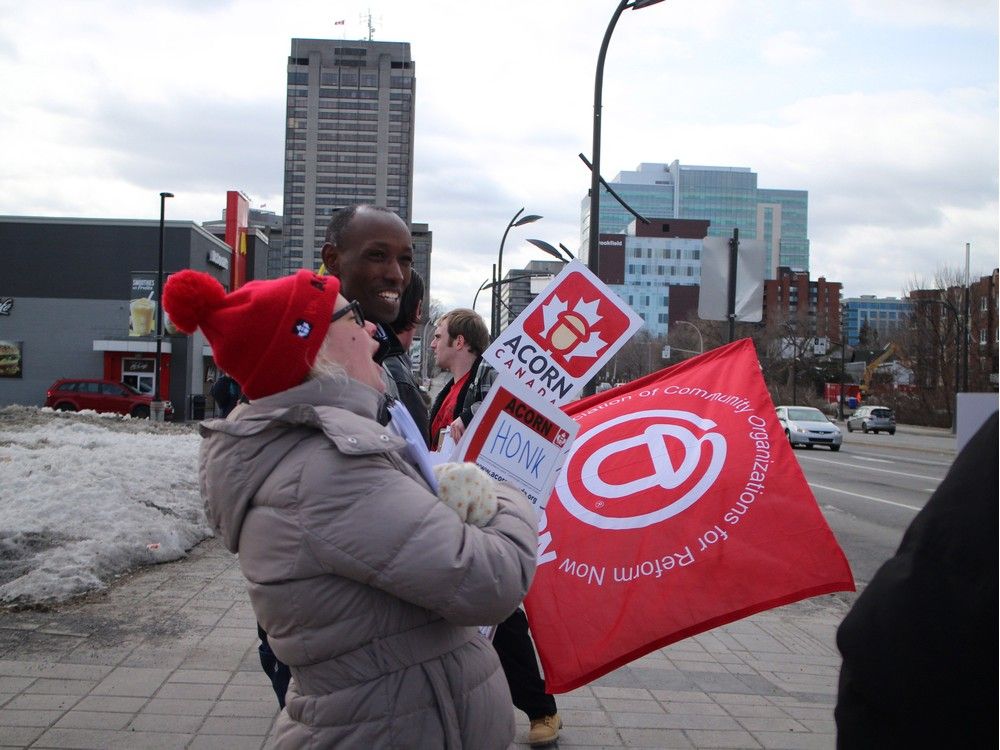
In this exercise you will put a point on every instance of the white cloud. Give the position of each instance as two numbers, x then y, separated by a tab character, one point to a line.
789	48
948	13
885	111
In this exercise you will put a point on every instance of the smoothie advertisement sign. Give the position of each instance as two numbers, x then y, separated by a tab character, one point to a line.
679	508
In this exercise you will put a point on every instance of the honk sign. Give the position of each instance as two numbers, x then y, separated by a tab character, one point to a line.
679	508
520	438
563	338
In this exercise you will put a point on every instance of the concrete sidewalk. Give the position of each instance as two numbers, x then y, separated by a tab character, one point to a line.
168	659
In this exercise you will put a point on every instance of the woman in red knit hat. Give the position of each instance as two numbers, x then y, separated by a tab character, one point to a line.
368	585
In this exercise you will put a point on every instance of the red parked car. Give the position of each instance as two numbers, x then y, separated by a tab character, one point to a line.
77	394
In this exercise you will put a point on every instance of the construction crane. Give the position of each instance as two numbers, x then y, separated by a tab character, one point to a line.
871	367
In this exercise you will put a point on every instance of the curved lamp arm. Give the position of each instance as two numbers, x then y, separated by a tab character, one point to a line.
514	222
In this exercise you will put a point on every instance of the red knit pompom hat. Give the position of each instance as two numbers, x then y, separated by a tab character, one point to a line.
266	334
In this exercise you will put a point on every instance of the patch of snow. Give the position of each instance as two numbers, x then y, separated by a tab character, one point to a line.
85	498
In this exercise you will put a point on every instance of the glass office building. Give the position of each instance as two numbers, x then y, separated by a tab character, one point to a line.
886	316
653	267
727	197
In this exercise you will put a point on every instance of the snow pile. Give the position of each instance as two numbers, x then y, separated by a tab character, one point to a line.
85	498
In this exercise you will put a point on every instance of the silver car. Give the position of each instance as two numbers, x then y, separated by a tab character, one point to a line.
804	425
872	419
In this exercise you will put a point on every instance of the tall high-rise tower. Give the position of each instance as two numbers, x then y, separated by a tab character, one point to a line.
348	137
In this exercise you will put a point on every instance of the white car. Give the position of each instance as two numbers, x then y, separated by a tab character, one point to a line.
805	425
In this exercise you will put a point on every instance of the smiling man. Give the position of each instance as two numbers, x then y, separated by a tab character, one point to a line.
370	249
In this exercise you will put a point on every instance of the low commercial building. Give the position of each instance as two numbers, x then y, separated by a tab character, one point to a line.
78	299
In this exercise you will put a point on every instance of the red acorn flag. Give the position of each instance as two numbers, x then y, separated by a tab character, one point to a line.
680	507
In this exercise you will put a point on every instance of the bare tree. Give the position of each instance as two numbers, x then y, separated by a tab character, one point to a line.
868	336
793	371
775	368
640	356
935	345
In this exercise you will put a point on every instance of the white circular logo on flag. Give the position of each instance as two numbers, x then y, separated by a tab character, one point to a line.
639	469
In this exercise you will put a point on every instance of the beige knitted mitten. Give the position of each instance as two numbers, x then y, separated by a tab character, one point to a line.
467	490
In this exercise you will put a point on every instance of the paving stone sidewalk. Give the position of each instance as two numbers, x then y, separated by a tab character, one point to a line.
168	659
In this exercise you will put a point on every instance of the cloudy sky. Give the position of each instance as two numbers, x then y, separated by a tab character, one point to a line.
886	111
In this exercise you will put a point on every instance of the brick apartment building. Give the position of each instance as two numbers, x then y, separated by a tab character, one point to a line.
936	327
813	305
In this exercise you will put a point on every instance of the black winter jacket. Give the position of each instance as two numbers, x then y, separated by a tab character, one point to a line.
396	362
469	397
920	643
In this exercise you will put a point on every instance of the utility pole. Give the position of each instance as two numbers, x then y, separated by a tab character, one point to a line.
734	250
843	359
157	406
965	324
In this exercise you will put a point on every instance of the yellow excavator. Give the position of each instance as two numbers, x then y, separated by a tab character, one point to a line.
871	367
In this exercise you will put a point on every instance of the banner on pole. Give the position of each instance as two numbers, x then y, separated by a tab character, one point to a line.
679	508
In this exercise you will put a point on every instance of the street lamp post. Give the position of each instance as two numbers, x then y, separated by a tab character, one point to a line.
487	283
701	341
514	222
525	275
545	247
795	377
595	154
965	326
843	360
595	158
157	406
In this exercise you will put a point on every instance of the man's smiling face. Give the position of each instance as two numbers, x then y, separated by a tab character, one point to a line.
373	261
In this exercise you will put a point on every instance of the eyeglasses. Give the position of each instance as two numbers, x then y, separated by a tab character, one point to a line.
353	307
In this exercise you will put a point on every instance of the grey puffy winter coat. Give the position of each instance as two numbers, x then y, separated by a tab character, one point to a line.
369	588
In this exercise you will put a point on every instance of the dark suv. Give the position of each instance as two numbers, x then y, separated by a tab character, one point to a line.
77	394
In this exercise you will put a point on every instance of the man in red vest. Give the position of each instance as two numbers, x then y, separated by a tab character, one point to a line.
458	343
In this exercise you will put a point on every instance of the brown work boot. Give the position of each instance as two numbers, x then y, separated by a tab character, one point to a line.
544	731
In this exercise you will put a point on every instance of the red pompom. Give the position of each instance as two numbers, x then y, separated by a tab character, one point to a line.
189	296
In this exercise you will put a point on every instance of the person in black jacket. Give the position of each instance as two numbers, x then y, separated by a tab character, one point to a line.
394	351
458	343
920	643
226	394
411	309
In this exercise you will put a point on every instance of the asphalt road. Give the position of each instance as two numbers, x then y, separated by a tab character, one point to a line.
871	490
